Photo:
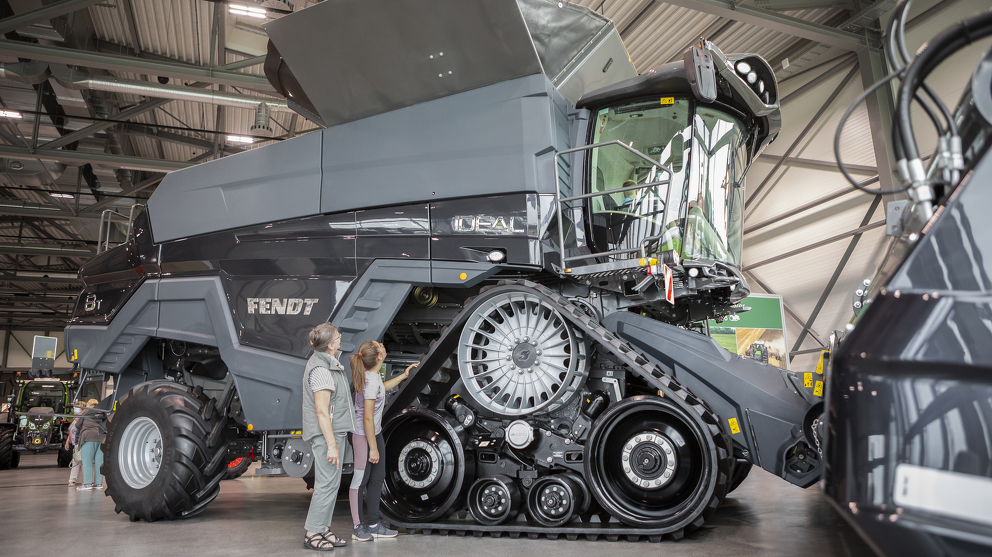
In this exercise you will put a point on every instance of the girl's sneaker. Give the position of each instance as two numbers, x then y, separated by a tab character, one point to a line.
361	533
380	531
84	487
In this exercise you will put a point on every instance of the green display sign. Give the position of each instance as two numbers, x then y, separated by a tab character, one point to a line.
758	334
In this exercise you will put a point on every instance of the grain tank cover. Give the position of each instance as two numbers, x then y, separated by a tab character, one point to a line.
344	60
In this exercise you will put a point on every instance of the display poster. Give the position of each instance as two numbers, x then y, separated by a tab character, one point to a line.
758	334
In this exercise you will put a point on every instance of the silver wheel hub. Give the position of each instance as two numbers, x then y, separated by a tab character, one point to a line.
518	356
419	464
649	460
140	452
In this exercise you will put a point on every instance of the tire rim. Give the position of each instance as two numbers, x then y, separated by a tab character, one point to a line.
632	447
493	500
235	463
552	501
518	356
140	452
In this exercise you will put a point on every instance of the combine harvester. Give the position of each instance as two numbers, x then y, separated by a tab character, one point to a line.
499	196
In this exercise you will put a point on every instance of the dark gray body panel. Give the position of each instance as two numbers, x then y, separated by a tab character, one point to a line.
733	387
497	139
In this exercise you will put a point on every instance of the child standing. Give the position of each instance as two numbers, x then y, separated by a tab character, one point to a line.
367	441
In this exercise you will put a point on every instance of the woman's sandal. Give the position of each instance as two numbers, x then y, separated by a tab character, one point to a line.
317	542
334	540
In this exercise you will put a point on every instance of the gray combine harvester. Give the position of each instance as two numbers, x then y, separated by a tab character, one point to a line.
500	197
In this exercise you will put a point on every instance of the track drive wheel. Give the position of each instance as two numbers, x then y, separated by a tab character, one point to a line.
162	458
427	469
651	464
6	448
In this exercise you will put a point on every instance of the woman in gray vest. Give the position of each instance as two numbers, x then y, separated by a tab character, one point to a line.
328	416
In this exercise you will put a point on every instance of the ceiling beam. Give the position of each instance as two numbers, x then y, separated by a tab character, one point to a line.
43	14
24	209
774	21
7	277
813	164
81	157
55	250
37	300
112	62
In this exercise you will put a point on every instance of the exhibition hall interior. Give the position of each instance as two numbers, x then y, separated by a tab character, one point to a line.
497	277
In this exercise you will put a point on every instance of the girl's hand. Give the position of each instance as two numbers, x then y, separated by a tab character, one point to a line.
374	456
406	372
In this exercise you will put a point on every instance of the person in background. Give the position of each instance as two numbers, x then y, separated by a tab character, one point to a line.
328	416
366	440
73	439
91	435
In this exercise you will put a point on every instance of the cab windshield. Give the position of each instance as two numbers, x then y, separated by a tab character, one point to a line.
699	213
40	394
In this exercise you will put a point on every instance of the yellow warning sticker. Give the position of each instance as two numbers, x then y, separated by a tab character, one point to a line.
734	428
115	406
818	389
667	100
75	354
808	380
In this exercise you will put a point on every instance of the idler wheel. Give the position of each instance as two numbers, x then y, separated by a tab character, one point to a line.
493	501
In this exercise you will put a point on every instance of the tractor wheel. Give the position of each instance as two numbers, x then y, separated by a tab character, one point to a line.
650	465
65	457
428	470
6	448
741	470
162	457
237	467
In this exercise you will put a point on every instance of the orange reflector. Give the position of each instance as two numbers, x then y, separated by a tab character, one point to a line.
568	270
642	262
250	427
463	276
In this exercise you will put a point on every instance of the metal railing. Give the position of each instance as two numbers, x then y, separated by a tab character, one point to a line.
106	225
656	169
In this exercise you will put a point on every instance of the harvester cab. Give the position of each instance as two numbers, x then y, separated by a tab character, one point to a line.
660	212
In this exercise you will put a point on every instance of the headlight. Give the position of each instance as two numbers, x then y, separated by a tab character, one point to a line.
31	426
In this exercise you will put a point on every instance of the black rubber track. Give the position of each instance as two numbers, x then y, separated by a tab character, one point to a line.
190	469
430	379
6	447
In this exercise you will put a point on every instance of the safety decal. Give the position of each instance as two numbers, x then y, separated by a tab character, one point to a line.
818	389
665	101
807	380
734	428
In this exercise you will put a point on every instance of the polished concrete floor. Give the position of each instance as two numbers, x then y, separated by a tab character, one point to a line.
257	515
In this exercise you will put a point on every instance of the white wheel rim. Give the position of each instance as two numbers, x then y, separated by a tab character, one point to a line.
140	452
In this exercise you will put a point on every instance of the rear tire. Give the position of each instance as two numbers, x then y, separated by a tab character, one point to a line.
237	467
6	448
158	459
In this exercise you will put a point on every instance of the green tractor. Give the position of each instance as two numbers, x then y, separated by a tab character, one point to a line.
35	421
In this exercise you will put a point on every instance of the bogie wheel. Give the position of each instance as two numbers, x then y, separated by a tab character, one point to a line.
158	460
651	464
553	500
494	500
6	448
427	469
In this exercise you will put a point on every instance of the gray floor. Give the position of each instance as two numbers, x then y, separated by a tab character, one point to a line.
264	516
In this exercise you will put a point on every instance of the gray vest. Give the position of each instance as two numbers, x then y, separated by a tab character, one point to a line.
341	408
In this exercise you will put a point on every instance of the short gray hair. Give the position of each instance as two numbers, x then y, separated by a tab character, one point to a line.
321	335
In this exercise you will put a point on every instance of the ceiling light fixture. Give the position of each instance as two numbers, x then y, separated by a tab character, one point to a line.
9	114
62	195
247	11
240	139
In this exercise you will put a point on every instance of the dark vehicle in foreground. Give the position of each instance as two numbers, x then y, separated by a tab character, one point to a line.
34	423
530	220
909	397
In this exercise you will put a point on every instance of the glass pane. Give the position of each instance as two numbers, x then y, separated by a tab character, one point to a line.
715	214
659	129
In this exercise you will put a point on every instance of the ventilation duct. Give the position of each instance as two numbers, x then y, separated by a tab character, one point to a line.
31	172
31	73
76	79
